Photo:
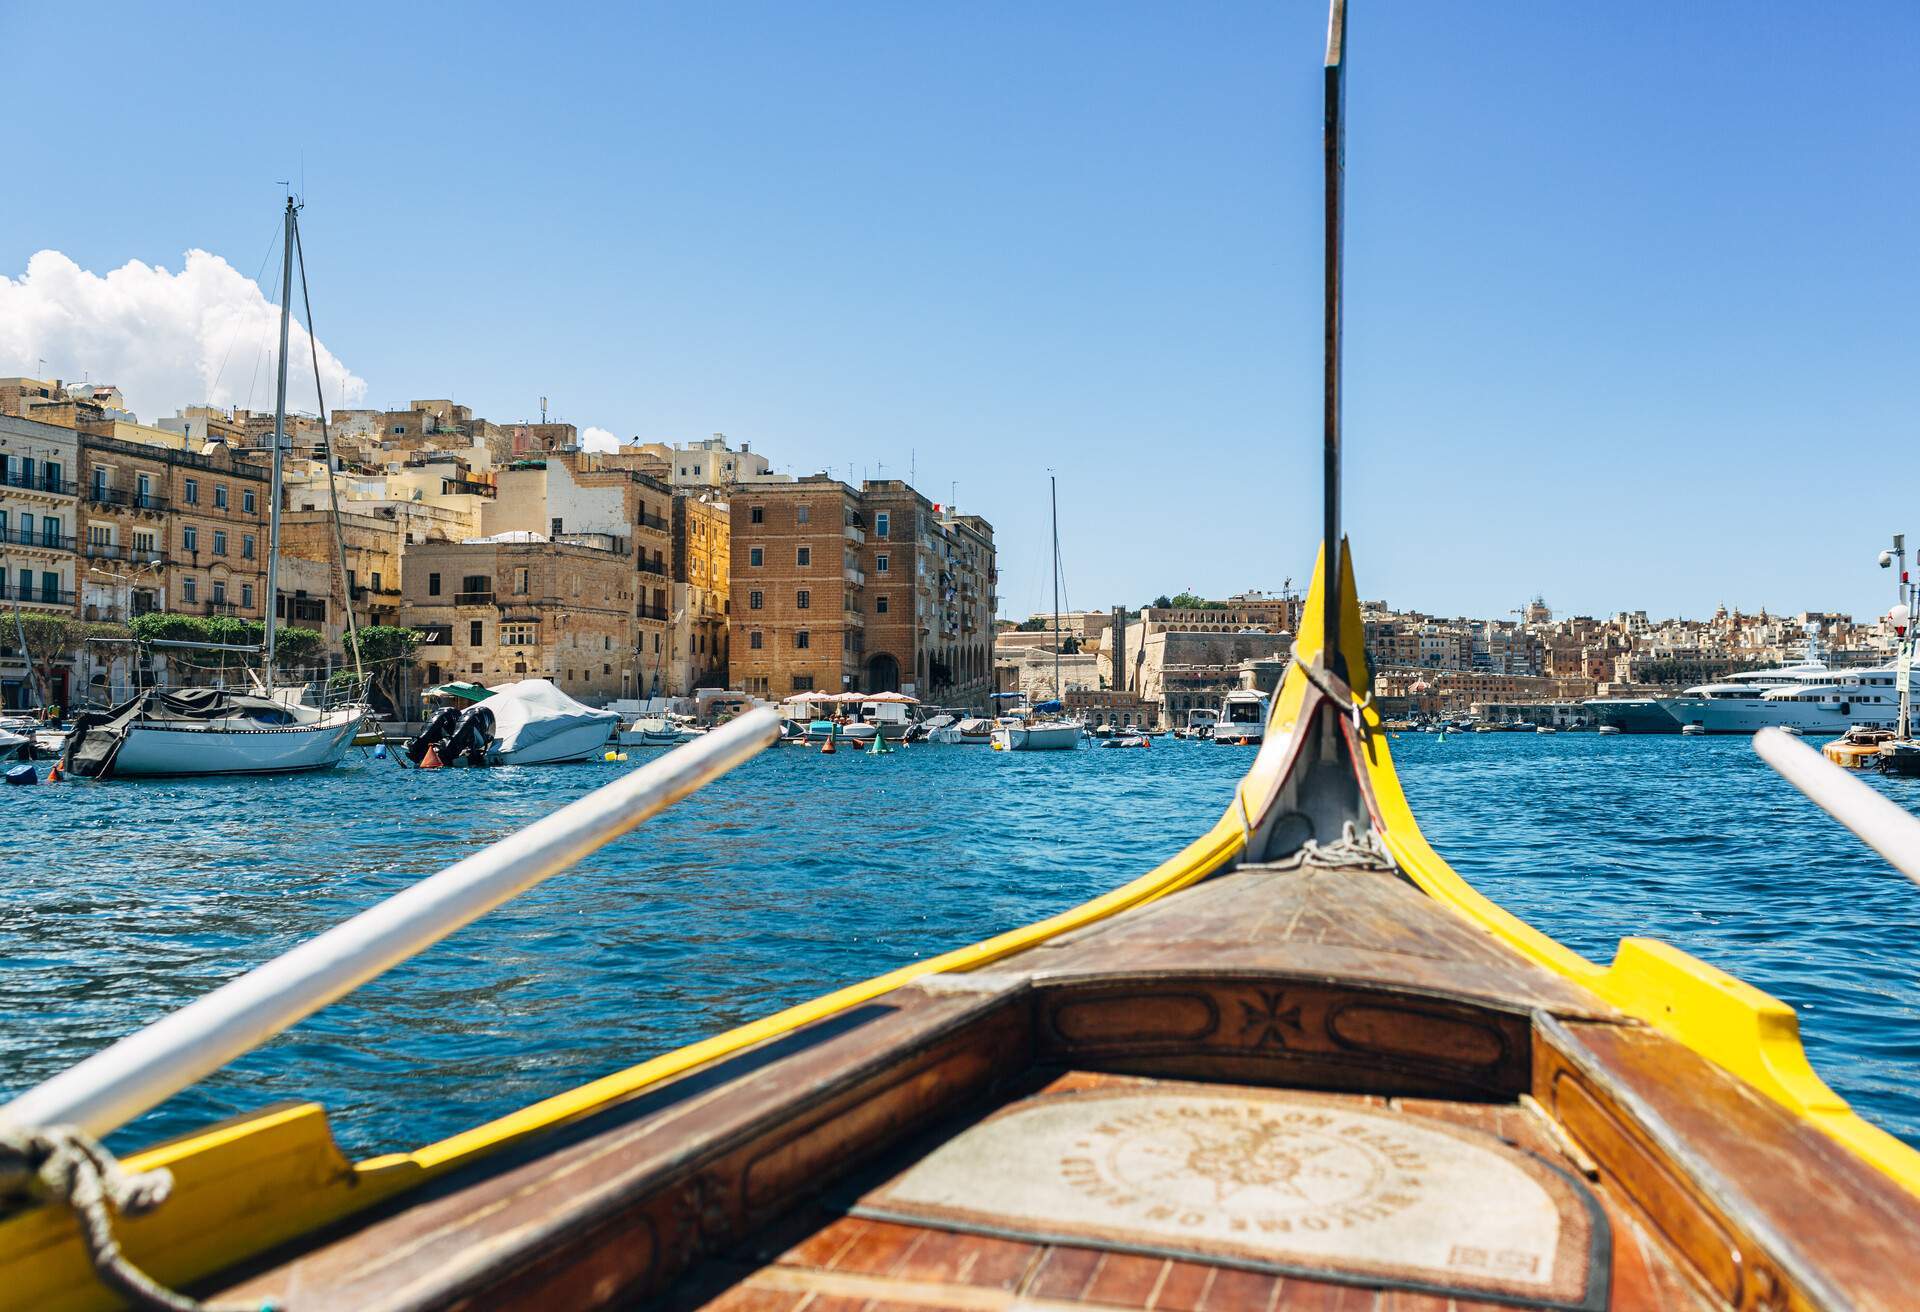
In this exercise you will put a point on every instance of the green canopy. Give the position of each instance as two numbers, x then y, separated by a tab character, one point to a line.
465	692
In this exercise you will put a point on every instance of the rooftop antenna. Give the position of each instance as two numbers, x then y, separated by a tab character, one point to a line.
1334	146
543	409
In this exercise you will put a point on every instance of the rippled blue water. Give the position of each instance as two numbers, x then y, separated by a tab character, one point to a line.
797	873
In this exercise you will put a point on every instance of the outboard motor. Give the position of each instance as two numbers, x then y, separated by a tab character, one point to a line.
438	730
473	736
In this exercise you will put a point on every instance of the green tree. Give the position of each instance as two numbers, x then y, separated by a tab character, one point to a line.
293	647
1037	624
1162	602
52	642
386	650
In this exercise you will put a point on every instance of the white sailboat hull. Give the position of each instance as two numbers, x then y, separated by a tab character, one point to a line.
1038	737
236	747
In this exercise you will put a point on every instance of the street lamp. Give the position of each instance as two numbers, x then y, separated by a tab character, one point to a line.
1901	617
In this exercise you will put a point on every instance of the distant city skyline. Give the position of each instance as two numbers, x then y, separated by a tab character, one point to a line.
1632	307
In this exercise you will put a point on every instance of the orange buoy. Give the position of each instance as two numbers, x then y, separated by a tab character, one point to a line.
827	749
432	761
54	774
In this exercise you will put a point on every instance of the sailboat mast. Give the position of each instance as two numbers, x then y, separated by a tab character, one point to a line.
279	439
1335	148
1053	496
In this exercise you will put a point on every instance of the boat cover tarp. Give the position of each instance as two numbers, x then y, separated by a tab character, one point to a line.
97	735
457	691
532	711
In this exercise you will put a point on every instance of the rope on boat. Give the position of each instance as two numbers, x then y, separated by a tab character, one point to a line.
70	1167
1352	705
1353	850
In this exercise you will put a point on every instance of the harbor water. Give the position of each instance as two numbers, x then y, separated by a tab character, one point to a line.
799	872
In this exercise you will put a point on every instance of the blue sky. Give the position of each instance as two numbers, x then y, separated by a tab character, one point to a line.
1633	306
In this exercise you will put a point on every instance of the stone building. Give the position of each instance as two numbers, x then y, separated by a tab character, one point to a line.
496	610
39	514
374	545
709	463
871	589
1185	671
166	529
702	563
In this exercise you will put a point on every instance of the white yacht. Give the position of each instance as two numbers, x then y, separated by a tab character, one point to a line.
1243	718
1808	697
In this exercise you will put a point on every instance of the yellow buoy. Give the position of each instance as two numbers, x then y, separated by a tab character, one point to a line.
611	756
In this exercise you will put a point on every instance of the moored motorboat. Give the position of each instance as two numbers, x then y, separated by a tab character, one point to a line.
529	722
1243	718
973	731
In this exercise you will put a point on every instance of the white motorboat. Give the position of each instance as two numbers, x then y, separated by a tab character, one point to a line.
1020	734
972	732
530	722
1606	729
1243	718
658	731
1808	697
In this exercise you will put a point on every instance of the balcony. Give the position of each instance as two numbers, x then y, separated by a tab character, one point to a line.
212	607
36	597
53	487
647	520
855	533
40	541
100	495
857	577
473	599
117	551
646	612
658	568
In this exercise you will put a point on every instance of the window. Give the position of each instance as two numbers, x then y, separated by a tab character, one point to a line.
26	527
3	530
50	531
193	491
246	500
520	582
756	557
219	592
376	580
50	476
476	632
882	563
755	600
557	529
802	640
802	514
433	585
220	496
880	525
190	589
803	555
143	491
246	546
757	515
519	635
754	640
219	542
143	542
190	538
99	484
477	584
99	535
880	605
803	683
803	599
246	596
49	586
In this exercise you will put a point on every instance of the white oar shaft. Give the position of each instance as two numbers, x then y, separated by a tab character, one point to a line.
1886	828
112	1087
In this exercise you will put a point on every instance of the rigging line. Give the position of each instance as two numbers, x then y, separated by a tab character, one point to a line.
253	380
234	336
326	446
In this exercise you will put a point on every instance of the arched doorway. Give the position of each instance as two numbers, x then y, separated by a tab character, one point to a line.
883	673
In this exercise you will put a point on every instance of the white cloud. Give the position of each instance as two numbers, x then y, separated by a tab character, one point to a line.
598	439
205	334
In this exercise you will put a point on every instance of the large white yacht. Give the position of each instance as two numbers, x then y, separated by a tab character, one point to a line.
1808	697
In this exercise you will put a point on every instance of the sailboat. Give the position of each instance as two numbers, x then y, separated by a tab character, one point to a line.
1043	727
1300	1063
220	731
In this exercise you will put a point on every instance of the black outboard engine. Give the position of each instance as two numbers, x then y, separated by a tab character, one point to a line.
473	736
438	730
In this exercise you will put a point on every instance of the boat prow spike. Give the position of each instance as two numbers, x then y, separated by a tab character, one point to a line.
1310	783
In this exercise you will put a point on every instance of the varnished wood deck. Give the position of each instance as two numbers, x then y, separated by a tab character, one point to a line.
1345	982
